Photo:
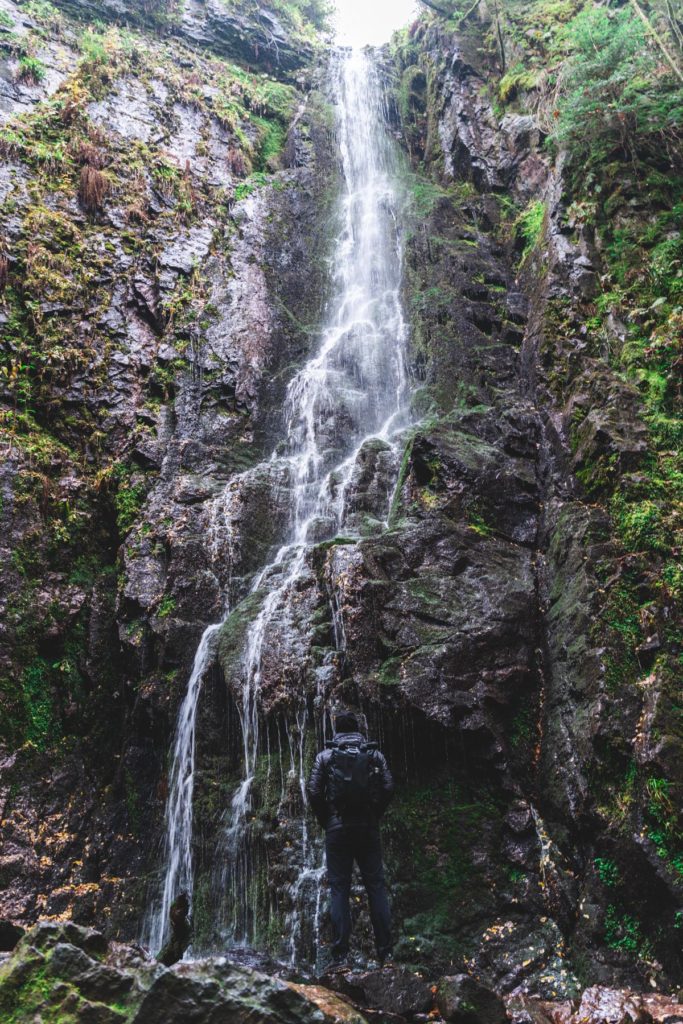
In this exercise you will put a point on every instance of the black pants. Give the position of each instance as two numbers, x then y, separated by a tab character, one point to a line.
362	845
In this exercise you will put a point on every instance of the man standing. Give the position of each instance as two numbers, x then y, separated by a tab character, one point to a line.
349	790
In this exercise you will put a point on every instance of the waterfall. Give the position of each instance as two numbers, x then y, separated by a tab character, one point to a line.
178	842
353	391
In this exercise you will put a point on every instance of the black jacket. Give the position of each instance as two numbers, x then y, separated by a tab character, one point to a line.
328	816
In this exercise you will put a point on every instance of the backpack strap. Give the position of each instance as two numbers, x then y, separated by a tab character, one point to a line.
369	748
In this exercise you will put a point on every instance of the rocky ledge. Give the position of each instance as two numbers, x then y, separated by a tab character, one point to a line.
71	975
65	974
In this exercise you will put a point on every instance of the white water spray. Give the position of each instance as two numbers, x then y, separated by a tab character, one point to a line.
178	846
353	391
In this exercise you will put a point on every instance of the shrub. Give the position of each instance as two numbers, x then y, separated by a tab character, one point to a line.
617	98
85	152
93	188
31	70
164	11
530	225
237	162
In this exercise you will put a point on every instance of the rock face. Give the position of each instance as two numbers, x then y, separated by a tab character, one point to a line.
590	701
254	35
164	241
72	974
143	372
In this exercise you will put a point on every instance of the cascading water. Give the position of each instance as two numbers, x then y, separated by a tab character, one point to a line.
353	392
178	846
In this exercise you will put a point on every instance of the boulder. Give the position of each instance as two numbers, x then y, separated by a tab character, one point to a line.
598	1005
397	990
601	1005
64	983
461	999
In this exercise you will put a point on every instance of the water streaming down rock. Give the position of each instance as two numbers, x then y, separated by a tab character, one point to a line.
349	399
353	392
178	844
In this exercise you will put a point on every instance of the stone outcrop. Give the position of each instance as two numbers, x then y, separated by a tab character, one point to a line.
254	34
73	975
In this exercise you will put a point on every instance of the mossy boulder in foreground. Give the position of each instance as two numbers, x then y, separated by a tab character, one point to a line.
64	974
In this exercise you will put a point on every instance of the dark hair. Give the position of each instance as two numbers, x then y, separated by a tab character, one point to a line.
346	721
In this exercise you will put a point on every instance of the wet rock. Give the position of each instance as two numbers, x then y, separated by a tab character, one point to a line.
126	985
610	1007
598	1005
129	111
330	1005
67	961
97	1013
525	956
463	1000
104	984
187	250
535	1011
395	990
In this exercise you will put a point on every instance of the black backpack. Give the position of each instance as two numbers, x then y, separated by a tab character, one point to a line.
353	780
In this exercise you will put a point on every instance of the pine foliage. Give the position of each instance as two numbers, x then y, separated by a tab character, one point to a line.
618	98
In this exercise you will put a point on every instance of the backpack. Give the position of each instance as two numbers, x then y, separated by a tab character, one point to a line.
353	781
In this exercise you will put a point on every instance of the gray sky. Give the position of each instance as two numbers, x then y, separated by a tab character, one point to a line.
372	21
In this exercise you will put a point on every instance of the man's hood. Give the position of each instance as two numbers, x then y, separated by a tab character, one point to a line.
349	737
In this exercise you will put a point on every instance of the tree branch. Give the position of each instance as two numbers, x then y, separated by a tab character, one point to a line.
657	38
466	15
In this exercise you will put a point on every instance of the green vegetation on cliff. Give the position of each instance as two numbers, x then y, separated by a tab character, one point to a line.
88	211
588	98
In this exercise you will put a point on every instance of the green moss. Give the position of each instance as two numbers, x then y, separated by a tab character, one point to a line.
478	524
620	625
530	225
272	136
440	824
42	726
234	630
167	606
389	672
664	827
624	933
640	524
608	872
403	471
257	180
518	79
424	195
523	731
129	496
